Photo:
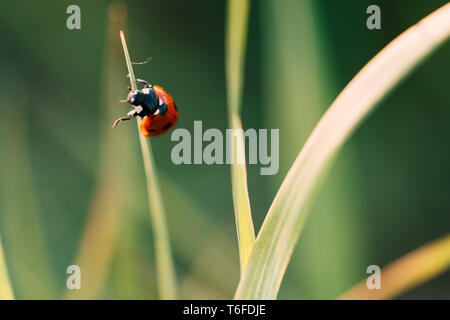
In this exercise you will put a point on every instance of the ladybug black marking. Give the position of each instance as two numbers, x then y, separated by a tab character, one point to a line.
167	126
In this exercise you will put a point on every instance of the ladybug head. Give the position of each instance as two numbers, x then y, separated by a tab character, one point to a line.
135	97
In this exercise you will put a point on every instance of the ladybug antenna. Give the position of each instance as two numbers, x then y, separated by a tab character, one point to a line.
143	81
143	62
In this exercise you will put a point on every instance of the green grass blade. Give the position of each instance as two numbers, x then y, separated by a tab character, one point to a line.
235	45
235	42
6	292
164	266
407	272
286	216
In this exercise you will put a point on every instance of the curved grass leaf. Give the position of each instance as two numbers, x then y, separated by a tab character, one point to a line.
286	216
236	38
409	271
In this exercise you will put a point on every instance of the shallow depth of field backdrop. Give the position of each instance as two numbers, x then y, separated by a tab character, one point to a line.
70	184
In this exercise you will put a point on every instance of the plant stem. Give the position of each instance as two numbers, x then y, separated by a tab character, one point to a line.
128	60
164	266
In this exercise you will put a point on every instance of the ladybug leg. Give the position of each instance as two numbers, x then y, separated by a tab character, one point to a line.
131	115
121	119
126	100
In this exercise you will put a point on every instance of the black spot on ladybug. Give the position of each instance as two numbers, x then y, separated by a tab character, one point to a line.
167	126
151	130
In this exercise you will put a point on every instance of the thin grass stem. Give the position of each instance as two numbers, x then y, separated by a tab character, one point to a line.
164	266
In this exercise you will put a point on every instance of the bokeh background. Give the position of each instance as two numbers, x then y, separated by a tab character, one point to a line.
72	190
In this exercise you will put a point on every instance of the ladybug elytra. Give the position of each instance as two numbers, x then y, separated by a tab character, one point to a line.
155	106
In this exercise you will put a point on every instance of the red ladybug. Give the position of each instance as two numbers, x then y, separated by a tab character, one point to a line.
155	106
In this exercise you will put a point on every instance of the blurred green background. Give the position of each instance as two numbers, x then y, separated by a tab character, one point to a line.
72	190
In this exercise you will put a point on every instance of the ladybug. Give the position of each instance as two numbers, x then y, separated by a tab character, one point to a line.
155	106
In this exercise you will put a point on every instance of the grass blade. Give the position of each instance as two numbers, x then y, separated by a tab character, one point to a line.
128	61
236	38
164	266
6	292
407	272
284	221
